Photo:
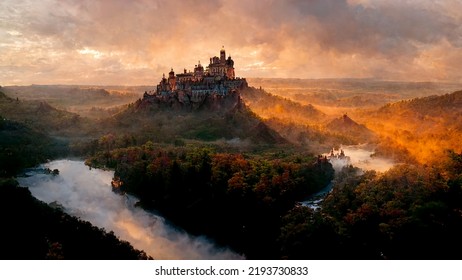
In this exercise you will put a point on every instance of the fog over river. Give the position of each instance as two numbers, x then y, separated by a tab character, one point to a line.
356	155
360	156
87	194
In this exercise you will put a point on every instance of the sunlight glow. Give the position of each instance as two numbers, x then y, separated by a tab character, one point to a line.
96	54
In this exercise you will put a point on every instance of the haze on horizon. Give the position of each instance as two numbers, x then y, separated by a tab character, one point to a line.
134	42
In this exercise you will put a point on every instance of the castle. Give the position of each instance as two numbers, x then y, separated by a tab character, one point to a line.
218	80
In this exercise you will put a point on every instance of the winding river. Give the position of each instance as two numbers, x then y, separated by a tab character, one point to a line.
87	194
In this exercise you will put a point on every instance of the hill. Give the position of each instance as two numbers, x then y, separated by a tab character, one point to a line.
348	94
346	126
169	121
425	127
268	106
88	101
39	115
28	133
437	109
304	125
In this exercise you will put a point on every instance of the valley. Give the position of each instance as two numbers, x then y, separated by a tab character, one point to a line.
241	167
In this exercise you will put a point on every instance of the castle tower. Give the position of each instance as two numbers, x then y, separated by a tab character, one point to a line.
222	55
198	71
172	80
230	68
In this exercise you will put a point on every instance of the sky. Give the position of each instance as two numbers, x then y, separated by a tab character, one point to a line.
122	42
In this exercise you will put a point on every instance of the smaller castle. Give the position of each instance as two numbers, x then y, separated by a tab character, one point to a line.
336	154
217	81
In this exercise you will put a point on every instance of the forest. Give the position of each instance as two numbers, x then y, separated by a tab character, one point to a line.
409	212
236	199
238	176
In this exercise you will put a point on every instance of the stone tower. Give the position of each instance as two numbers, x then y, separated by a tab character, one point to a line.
172	80
222	55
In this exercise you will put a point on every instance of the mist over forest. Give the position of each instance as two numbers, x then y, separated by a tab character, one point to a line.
233	175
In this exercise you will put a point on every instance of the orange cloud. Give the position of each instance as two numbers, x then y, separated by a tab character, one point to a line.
133	42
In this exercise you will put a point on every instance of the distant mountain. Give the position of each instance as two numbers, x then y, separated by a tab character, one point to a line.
344	125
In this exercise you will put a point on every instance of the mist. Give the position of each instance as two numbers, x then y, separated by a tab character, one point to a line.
360	156
87	194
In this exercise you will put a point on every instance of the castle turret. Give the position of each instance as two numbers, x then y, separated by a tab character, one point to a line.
222	55
230	68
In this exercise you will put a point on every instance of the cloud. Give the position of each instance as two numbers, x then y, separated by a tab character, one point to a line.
295	38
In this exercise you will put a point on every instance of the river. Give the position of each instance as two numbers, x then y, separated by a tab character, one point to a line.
87	194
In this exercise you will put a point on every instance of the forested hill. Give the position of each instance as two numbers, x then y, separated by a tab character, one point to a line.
445	107
426	127
269	106
344	125
24	134
38	115
164	123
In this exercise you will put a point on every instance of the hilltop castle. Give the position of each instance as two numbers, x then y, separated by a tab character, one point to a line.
217	80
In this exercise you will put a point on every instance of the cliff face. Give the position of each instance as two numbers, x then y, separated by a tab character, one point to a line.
191	102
